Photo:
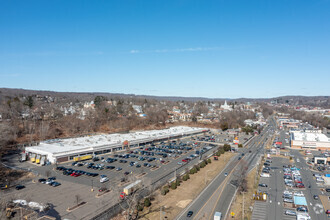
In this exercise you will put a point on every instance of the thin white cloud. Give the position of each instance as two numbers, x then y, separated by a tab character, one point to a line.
134	51
192	49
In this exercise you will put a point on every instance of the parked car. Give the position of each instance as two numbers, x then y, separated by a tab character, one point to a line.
288	200
290	212
302	209
55	184
263	185
300	185
102	189
104	179
48	182
19	187
119	168
42	180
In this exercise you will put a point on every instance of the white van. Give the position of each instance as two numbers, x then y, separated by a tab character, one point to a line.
217	216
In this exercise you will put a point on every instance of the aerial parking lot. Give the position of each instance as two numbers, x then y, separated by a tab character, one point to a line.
123	167
294	190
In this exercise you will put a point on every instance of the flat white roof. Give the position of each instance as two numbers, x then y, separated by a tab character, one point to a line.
92	143
307	136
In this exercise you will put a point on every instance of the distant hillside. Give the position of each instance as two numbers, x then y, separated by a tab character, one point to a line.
323	101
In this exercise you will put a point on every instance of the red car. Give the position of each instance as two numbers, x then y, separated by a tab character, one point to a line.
327	212
300	185
122	195
102	189
184	160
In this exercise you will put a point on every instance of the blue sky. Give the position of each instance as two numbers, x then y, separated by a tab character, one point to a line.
204	48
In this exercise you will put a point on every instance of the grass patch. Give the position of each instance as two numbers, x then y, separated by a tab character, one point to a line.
177	199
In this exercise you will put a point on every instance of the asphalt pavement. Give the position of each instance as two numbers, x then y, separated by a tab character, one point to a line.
274	205
218	195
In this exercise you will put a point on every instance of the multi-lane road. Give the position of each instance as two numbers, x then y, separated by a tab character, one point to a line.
218	195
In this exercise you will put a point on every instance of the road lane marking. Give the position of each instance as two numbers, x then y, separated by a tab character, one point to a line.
226	180
263	138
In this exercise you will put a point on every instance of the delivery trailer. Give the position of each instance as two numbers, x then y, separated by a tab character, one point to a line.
132	187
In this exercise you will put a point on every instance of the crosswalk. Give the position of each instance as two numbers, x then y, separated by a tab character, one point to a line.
288	217
259	211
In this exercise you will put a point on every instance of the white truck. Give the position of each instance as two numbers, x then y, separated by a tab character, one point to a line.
217	216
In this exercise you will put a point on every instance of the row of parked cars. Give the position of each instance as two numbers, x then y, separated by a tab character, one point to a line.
74	172
300	210
292	177
50	181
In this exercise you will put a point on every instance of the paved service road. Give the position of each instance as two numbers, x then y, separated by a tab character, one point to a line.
217	196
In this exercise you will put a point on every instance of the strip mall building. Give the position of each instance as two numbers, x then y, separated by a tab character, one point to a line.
62	150
309	139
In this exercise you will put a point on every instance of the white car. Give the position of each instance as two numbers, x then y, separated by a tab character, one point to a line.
319	179
264	175
298	194
287	192
104	179
48	182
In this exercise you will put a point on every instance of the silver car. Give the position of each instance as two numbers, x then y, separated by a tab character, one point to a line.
290	212
288	200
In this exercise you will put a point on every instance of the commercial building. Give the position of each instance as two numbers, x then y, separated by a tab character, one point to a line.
288	123
61	150
309	139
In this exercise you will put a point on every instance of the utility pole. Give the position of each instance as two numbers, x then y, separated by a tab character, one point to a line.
160	213
243	206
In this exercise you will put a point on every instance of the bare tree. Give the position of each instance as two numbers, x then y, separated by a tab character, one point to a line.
47	173
77	199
